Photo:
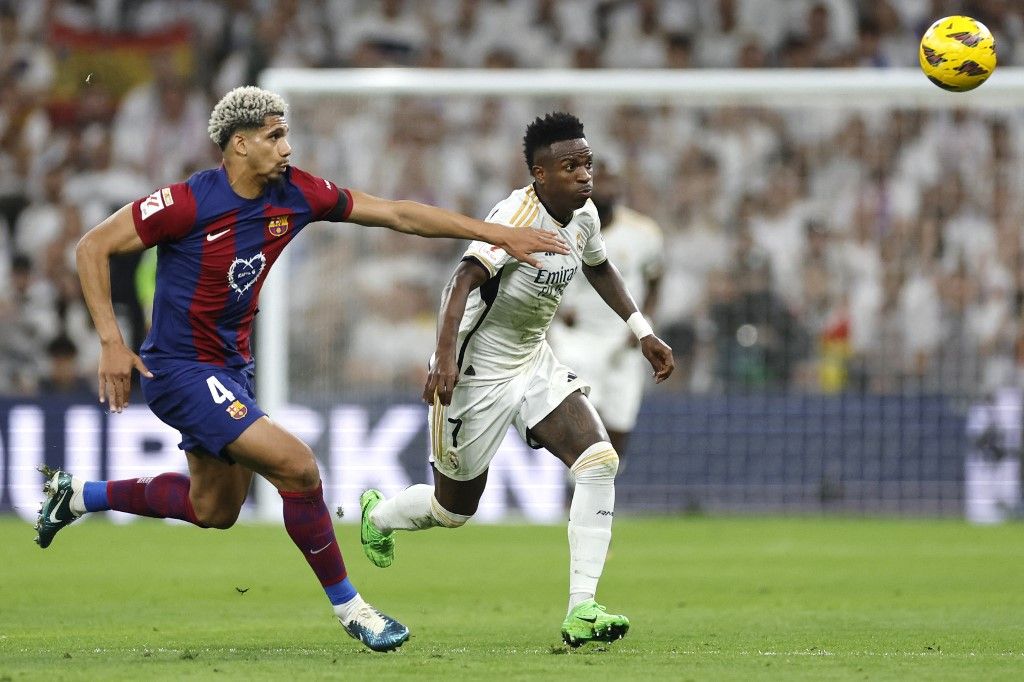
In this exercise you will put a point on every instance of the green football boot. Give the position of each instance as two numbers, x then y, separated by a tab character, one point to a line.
55	513
589	622
378	547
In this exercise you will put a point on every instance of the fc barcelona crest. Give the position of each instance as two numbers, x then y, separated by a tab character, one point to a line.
278	225
237	410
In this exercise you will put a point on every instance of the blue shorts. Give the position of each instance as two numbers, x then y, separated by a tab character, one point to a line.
210	405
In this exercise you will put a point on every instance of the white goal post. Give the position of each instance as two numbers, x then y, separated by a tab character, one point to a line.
777	88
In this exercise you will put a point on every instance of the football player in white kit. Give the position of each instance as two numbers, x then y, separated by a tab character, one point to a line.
581	334
492	368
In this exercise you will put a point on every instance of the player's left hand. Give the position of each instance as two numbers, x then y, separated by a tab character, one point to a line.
441	379
659	354
520	243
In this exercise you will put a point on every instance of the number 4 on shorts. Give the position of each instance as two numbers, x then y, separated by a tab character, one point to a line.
218	391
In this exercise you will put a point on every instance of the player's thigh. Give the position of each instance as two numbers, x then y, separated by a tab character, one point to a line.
570	428
216	484
276	454
459	497
465	434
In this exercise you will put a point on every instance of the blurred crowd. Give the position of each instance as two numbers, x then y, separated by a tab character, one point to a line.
865	250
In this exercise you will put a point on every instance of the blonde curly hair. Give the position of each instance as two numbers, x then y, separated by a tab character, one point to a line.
243	108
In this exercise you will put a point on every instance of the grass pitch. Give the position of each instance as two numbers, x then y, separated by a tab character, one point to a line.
710	599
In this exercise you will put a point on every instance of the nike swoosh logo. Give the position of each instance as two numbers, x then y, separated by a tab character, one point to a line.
217	235
53	512
592	619
317	551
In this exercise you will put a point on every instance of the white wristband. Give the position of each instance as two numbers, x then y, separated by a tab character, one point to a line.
639	325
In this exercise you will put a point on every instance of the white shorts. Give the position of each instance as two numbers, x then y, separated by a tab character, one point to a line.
614	371
465	435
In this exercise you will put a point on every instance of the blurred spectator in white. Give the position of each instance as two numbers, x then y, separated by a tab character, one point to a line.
390	346
43	219
636	34
27	322
779	228
100	186
24	126
389	32
62	378
26	61
73	319
160	128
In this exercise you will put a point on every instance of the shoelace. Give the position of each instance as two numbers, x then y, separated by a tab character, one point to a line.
370	618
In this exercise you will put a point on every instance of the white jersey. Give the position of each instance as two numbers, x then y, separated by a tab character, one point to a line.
506	319
634	243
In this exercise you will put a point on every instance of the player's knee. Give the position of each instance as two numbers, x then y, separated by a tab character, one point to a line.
300	471
445	518
598	463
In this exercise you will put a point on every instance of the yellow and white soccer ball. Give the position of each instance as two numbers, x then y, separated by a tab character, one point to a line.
958	53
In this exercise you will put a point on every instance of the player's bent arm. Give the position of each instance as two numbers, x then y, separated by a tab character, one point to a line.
114	235
412	217
444	370
608	284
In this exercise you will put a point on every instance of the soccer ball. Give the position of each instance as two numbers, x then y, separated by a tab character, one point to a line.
958	53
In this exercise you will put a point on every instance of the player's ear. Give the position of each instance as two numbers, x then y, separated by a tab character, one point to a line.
538	173
238	143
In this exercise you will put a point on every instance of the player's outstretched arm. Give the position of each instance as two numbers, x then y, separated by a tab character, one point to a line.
114	235
444	368
429	221
607	282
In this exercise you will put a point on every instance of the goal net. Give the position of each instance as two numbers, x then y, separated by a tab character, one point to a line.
841	279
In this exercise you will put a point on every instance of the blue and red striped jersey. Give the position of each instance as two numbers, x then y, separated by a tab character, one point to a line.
214	250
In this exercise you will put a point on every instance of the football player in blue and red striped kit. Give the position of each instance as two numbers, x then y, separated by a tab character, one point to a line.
217	236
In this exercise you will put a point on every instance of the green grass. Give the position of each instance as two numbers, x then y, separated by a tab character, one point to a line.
710	599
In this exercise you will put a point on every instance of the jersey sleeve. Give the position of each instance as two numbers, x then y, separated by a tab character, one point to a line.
492	257
166	215
594	252
326	200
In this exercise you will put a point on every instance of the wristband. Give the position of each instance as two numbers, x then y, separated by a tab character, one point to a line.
639	325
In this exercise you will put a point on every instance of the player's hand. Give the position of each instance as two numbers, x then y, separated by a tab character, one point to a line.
520	243
659	354
115	374
441	379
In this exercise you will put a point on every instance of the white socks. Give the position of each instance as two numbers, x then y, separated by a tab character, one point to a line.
590	519
345	611
414	509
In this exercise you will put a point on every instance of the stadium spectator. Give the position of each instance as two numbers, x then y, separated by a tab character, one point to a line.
63	378
878	181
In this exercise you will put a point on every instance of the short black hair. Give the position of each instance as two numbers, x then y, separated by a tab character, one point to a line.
554	127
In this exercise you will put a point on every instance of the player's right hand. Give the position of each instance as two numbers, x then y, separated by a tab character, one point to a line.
441	379
115	374
520	243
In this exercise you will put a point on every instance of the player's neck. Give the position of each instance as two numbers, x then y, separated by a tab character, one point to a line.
563	216
243	182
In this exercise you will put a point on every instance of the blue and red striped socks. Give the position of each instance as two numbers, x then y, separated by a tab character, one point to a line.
310	527
163	497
